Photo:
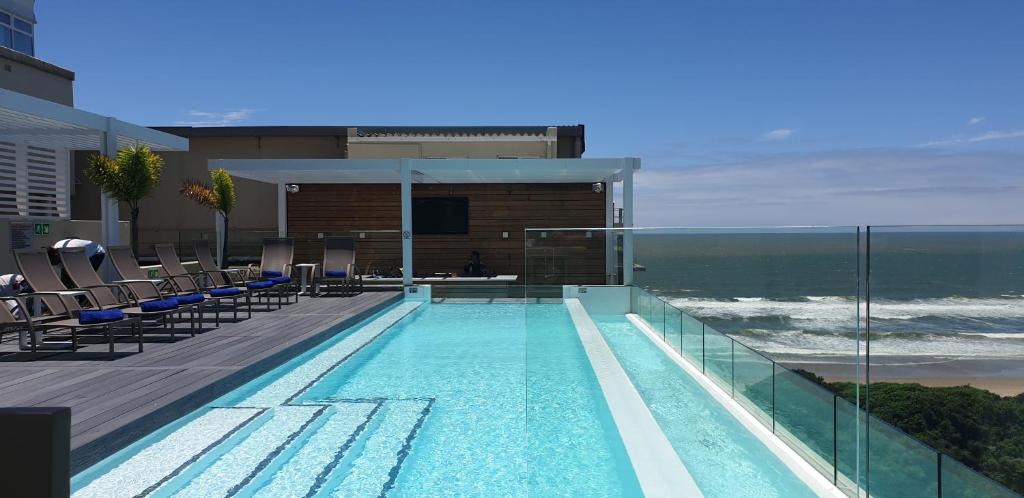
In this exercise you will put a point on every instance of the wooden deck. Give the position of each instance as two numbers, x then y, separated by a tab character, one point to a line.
117	401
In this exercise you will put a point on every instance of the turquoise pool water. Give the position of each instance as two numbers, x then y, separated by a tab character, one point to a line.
421	400
723	457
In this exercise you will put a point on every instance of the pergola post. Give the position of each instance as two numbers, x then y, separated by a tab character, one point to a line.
282	211
406	194
627	220
110	230
609	234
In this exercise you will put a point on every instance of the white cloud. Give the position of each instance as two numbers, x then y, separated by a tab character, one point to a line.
779	134
212	118
984	137
855	187
974	121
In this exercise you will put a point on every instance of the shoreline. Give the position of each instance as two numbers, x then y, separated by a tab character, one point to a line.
1002	376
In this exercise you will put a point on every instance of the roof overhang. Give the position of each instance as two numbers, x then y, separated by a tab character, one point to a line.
34	121
426	170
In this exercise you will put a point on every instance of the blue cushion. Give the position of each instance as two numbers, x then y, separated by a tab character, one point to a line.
189	299
159	305
281	280
87	317
227	291
262	284
270	273
338	273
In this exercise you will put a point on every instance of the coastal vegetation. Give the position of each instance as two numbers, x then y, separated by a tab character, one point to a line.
983	430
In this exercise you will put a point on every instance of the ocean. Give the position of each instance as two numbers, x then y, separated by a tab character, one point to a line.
935	294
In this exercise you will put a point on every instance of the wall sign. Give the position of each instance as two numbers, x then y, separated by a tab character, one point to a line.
21	235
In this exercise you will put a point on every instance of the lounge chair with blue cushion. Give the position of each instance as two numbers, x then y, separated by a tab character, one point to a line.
150	306
62	303
276	267
338	271
185	282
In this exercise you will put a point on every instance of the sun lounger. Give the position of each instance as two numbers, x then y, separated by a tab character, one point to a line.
144	303
276	266
338	271
184	282
62	303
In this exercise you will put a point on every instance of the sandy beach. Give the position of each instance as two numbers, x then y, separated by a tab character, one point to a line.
1004	377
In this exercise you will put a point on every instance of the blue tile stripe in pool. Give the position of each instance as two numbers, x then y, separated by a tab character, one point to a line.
404	452
294	383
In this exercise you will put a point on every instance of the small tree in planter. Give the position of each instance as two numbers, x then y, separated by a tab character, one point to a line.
128	177
219	196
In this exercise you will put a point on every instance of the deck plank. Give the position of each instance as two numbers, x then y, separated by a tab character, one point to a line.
117	401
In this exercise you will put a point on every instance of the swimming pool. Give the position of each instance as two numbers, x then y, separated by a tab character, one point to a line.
438	400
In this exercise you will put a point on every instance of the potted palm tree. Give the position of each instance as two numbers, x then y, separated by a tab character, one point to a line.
128	177
219	196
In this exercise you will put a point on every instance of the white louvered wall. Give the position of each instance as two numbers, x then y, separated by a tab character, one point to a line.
33	182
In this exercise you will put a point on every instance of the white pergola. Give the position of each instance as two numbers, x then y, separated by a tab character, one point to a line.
406	172
36	122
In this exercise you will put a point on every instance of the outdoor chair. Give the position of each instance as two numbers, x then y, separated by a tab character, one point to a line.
62	303
276	266
109	296
338	271
185	282
228	276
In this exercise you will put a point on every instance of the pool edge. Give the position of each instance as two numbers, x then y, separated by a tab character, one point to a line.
655	462
789	457
102	447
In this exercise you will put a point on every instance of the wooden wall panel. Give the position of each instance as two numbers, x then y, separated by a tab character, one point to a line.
493	209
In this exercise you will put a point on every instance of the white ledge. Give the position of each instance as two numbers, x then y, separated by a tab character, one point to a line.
655	462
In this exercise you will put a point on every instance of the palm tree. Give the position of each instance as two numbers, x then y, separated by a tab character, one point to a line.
219	196
129	177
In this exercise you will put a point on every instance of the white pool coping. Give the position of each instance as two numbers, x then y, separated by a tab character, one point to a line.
803	470
655	462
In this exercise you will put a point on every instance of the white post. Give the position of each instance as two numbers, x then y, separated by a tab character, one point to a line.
110	229
406	179
627	220
282	211
218	222
609	234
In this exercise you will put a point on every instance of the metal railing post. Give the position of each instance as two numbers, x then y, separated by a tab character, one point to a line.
773	397
732	363
703	351
835	439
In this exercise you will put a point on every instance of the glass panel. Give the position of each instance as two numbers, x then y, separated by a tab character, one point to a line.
899	466
22	43
753	380
849	445
946	309
5	18
960	480
804	418
5	36
673	328
718	358
22	25
692	339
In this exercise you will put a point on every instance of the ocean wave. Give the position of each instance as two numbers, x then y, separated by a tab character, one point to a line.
836	312
821	346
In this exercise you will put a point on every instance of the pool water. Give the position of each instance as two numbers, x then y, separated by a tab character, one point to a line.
420	400
723	457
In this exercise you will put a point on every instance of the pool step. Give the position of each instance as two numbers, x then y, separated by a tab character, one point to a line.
312	460
293	383
158	463
241	462
374	470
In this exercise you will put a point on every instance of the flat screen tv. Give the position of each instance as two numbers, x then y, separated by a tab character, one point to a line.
440	215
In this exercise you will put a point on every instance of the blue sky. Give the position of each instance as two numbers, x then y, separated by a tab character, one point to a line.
743	112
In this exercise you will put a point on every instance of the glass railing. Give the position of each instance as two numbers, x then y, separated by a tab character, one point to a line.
774	316
945	307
